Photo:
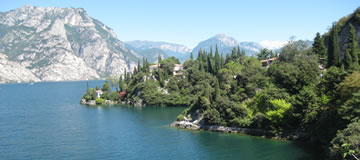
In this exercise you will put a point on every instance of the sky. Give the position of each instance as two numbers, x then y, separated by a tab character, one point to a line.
190	21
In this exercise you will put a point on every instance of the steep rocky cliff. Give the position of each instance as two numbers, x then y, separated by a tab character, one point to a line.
344	29
57	44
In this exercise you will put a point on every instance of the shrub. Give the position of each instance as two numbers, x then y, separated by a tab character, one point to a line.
99	101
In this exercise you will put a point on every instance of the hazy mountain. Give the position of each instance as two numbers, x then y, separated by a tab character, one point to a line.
151	54
226	43
55	44
169	49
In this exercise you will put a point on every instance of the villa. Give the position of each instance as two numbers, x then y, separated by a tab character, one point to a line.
177	69
99	93
267	62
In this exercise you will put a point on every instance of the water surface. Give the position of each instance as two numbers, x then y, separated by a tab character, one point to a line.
46	121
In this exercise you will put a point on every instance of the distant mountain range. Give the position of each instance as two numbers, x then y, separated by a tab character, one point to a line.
224	43
152	49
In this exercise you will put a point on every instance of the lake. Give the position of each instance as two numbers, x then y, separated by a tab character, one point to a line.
46	121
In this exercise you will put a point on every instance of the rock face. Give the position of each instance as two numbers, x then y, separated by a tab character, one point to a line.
57	44
344	23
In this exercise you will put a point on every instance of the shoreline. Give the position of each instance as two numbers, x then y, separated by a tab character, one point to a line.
291	136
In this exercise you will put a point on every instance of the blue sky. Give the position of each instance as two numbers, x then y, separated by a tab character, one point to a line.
191	21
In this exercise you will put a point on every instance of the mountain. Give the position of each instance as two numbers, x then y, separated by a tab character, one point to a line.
57	44
169	49
225	44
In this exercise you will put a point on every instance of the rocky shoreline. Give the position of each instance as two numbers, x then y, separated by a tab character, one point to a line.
249	131
93	102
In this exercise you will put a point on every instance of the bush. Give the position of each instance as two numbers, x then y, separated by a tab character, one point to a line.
99	101
180	117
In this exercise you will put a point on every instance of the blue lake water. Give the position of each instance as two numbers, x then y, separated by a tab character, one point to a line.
46	121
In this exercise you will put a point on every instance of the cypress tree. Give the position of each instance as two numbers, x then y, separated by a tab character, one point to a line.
352	45
125	74
120	84
199	57
210	68
233	53
347	59
139	66
238	54
243	53
191	56
159	58
217	60
333	49
87	88
221	61
146	66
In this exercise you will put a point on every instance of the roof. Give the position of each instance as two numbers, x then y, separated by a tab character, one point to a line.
179	65
99	91
270	59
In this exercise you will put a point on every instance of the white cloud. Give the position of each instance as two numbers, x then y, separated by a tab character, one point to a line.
272	44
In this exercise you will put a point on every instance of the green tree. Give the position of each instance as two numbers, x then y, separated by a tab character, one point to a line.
346	144
217	90
350	85
210	68
347	59
280	108
106	87
217	60
352	46
319	48
233	53
191	56
333	47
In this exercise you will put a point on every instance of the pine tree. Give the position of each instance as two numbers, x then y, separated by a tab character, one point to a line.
319	47
217	60
333	48
347	59
353	47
